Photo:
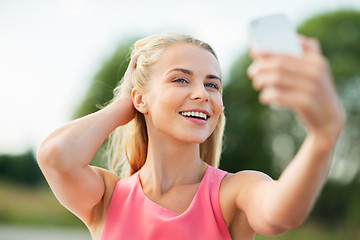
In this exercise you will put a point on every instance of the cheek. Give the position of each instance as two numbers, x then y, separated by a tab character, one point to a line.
217	104
163	104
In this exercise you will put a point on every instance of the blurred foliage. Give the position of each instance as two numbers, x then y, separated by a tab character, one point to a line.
339	35
338	203
244	145
102	86
25	197
313	230
22	169
24	205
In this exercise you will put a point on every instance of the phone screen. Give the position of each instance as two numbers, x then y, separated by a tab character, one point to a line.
275	34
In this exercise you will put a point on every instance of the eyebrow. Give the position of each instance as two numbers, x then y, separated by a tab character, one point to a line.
189	72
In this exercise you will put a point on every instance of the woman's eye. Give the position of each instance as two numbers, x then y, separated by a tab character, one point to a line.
212	85
180	80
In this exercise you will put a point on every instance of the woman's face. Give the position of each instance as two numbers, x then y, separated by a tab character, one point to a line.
184	95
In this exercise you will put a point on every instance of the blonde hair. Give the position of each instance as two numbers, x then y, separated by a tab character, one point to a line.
128	144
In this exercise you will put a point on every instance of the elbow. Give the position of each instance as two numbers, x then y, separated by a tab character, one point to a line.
278	225
295	223
48	155
282	227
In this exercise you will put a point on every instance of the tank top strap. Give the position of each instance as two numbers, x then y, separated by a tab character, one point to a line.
211	188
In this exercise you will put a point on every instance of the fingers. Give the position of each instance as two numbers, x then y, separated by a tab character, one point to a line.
296	100
302	84
127	81
268	62
283	72
286	80
310	45
133	61
253	53
132	65
284	90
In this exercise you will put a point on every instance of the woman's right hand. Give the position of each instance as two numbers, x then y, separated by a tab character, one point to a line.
127	84
125	100
303	84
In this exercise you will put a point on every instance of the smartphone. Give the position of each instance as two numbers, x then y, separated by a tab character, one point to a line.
275	34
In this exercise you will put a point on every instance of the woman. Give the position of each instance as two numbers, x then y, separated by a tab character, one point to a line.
169	105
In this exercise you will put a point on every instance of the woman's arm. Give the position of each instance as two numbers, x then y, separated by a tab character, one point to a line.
304	85
65	155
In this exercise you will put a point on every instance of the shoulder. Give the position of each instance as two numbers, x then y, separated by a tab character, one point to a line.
241	183
244	178
236	188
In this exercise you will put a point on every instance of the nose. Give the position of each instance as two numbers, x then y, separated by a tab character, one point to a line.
199	93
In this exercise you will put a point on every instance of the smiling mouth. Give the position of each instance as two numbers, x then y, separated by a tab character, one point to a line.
198	115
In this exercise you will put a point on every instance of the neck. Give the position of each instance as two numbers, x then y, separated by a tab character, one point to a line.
170	162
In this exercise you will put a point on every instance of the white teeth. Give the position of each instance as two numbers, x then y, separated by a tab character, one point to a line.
195	114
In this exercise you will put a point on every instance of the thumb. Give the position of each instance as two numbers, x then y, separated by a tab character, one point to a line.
310	45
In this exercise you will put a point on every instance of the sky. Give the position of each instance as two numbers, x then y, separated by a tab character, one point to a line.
50	50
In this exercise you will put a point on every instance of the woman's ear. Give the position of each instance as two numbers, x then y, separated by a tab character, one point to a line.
138	101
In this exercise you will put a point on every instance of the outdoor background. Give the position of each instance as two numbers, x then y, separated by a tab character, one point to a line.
61	59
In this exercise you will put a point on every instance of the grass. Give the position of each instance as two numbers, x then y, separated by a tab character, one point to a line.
33	206
316	231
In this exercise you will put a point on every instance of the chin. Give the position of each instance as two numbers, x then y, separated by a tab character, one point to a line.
195	139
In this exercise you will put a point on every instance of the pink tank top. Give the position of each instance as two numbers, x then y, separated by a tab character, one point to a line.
133	216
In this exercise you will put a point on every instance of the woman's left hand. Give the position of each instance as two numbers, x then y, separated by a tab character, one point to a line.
303	85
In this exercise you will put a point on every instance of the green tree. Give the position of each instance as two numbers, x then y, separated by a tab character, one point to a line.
105	80
244	145
339	35
21	169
